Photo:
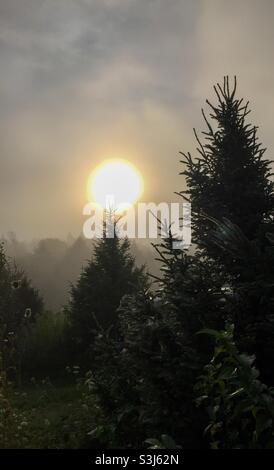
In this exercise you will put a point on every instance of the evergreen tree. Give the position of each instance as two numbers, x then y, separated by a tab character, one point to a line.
232	199
18	299
146	378
251	299
230	177
192	285
20	304
110	274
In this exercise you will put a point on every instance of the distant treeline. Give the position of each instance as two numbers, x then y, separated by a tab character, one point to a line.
54	264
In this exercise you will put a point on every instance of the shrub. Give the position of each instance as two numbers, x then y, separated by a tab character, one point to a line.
239	406
144	377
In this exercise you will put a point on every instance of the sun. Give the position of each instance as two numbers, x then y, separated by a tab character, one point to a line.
115	184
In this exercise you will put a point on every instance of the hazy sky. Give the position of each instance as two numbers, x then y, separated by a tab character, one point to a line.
84	80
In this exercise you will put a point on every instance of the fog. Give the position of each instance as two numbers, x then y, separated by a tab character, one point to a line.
53	264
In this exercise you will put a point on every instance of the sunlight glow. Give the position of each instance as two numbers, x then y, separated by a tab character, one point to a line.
115	184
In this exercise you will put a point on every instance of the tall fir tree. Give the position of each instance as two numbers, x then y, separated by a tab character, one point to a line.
109	275
232	197
229	178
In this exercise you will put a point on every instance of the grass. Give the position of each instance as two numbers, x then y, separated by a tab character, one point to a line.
53	416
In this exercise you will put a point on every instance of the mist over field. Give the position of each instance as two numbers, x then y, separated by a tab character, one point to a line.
55	264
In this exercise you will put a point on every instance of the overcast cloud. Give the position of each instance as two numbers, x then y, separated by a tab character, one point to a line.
89	79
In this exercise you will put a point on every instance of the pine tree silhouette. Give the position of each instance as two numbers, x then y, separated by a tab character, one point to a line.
110	274
230	177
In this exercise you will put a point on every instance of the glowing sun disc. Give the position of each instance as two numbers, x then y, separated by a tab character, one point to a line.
115	183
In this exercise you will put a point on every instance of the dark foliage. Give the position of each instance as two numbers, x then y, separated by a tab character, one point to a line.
250	301
229	186
145	379
230	178
110	274
145	376
240	407
20	305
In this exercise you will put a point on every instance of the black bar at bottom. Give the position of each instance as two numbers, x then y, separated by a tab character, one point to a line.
128	458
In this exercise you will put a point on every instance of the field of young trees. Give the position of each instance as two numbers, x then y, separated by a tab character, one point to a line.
184	360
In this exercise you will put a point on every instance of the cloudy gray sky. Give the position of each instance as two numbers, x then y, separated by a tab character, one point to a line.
85	80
